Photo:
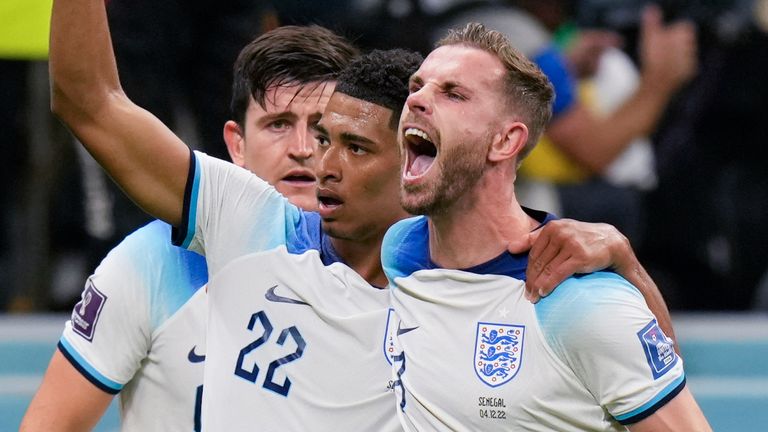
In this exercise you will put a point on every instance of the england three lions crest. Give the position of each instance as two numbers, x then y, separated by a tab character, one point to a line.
498	352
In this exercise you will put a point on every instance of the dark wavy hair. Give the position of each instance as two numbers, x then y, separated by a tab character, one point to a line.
287	56
381	77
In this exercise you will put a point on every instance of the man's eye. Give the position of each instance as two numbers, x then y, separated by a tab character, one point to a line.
279	124
413	88
322	141
454	96
356	149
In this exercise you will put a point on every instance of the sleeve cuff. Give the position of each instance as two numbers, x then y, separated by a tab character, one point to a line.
183	234
91	374
652	406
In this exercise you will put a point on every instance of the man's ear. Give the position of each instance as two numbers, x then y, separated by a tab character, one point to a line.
234	136
509	142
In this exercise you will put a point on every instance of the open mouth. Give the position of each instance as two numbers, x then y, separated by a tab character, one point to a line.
327	201
300	177
421	152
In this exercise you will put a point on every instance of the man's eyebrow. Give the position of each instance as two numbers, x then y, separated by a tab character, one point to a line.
451	85
446	86
348	136
319	128
278	115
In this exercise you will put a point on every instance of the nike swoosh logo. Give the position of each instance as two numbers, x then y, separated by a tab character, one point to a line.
193	357
402	331
271	296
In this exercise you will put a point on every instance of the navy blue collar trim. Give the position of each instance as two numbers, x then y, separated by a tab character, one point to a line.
506	264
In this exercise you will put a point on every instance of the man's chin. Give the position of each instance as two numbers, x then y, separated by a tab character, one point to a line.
332	229
416	205
328	228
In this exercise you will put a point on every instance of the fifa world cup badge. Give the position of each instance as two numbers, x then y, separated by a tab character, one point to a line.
86	313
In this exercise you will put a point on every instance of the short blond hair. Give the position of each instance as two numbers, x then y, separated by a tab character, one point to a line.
527	89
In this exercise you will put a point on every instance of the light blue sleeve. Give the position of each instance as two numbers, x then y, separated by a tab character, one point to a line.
600	327
404	249
138	286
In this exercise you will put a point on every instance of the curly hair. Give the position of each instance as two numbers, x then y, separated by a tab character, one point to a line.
287	56
381	77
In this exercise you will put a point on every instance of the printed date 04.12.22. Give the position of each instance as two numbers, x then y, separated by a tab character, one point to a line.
493	414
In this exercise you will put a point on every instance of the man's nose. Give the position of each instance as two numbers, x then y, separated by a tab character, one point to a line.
328	166
303	146
420	101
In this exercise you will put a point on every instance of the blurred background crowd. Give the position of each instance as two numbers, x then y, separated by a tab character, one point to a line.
670	146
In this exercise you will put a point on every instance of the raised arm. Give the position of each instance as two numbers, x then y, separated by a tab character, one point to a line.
138	151
564	247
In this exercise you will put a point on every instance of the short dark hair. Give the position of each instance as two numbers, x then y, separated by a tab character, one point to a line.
527	88
381	77
287	56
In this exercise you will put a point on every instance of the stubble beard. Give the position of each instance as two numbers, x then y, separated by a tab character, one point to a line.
461	169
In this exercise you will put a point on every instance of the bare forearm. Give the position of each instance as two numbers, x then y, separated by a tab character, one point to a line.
594	142
637	117
669	60
82	64
630	268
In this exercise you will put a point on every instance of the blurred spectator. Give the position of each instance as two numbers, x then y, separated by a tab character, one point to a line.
710	239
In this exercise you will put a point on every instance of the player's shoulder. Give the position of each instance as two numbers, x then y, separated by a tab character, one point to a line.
600	282
585	294
149	248
155	232
405	248
405	228
141	253
146	264
588	306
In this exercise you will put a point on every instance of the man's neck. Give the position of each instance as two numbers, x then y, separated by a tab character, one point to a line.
363	257
477	228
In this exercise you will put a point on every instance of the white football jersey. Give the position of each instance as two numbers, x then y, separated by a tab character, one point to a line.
296	345
139	330
273	364
474	354
230	212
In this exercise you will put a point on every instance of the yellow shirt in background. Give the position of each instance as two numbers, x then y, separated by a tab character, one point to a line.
24	29
548	163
